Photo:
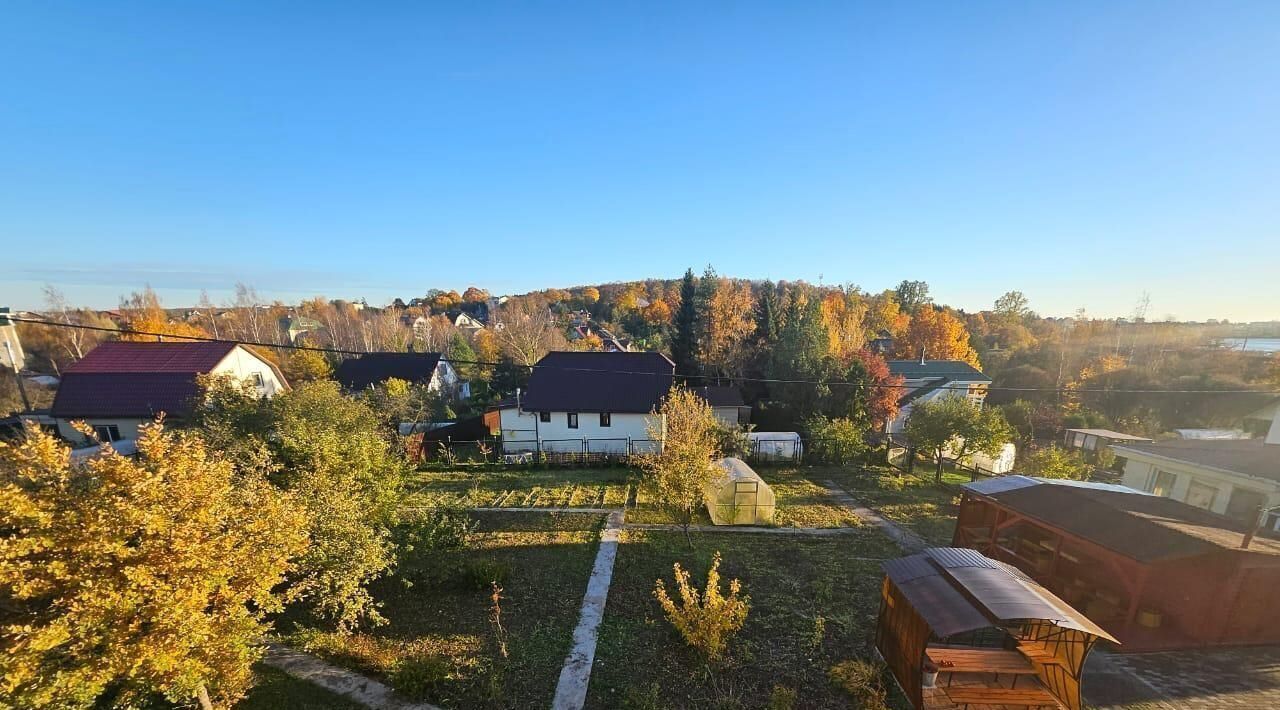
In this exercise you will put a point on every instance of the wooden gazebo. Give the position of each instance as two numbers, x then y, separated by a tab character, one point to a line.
984	625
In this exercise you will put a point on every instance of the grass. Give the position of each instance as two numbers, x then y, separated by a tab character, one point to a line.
913	501
813	604
275	690
440	640
801	503
524	488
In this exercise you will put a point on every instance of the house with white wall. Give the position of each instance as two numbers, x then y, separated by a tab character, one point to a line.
928	380
119	386
360	373
726	404
589	402
1233	477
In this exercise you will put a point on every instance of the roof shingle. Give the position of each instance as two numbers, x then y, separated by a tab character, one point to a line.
599	382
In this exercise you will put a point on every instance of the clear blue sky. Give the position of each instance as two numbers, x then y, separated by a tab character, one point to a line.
1080	152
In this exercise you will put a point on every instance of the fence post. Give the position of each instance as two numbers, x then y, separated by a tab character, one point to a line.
911	459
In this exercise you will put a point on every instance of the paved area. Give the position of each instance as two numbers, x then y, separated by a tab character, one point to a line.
349	684
571	690
1220	679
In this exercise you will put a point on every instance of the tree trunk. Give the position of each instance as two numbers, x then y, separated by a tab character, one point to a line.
202	696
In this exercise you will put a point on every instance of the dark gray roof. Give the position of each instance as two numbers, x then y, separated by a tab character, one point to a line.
949	369
361	372
1134	524
720	396
599	382
1250	457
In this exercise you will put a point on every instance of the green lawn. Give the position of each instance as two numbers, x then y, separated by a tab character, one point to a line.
812	605
440	616
524	488
913	501
801	503
274	690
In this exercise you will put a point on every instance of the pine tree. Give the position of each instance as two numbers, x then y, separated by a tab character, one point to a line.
684	343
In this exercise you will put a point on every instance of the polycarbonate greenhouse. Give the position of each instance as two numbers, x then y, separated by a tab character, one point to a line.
739	496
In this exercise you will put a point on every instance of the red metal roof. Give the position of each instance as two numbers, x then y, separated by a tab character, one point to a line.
191	358
131	380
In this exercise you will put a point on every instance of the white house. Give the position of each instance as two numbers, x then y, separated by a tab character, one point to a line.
1231	477
928	380
726	404
119	385
589	402
360	373
467	323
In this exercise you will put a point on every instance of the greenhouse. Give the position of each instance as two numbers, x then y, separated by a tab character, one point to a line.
739	496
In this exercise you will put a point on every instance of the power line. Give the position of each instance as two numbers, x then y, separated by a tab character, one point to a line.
761	380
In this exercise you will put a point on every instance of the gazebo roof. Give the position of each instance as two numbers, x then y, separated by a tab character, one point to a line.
957	590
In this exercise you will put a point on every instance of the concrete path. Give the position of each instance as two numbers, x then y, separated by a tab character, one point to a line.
818	532
906	539
571	691
349	684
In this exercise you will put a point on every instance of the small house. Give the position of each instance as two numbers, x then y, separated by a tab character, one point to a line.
738	496
726	404
119	385
365	371
589	403
927	380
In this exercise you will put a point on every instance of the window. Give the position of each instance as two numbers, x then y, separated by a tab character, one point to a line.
256	379
1201	495
573	420
1244	504
107	433
544	417
605	419
1162	483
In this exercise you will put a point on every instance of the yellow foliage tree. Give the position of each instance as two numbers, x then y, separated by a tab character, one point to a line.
136	577
142	312
729	323
305	366
590	295
486	346
656	313
843	314
938	335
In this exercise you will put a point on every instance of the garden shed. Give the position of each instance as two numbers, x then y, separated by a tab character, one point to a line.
999	637
739	496
1156	572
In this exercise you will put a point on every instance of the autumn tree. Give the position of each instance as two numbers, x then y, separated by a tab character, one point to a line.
952	424
726	310
337	456
589	295
885	315
130	578
475	295
62	345
1056	462
142	312
526	331
843	313
305	366
935	334
681	470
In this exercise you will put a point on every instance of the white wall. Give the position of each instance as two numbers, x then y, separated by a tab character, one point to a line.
1140	473
128	428
521	431
242	364
899	423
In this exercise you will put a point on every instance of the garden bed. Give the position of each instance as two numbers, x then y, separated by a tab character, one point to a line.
813	604
440	644
523	488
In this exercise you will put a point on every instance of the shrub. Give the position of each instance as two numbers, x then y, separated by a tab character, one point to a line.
418	677
835	441
484	573
443	528
861	680
1056	462
782	698
706	620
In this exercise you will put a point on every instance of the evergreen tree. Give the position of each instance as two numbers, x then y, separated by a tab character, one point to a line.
684	342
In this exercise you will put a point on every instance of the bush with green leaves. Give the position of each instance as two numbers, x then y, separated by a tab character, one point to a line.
863	681
835	441
1056	462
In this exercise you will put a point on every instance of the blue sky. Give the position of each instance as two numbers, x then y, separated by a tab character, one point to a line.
1082	152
